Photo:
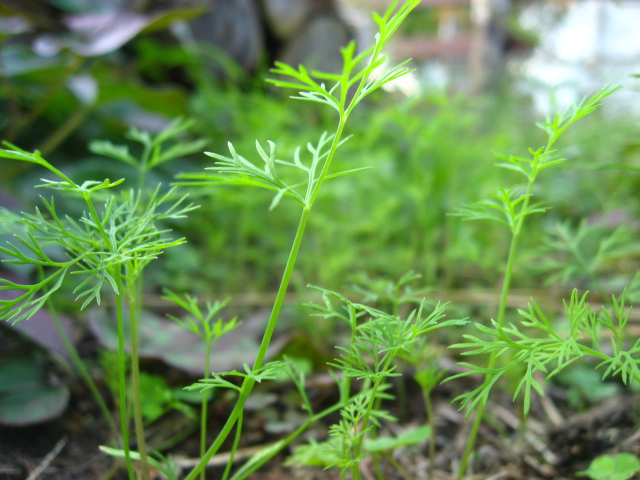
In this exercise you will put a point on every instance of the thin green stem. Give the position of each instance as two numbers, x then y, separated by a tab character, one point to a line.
203	409
325	168
355	472
234	448
134	312
471	443
122	380
506	286
283	443
103	234
492	358
245	390
346	380
53	169
355	467
372	401
133	305
248	383
428	405
286	277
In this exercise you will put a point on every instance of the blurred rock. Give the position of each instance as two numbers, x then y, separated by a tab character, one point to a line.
318	45
302	31
236	27
286	17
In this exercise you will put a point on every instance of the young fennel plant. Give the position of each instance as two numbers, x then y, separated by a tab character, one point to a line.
341	92
548	349
391	296
107	247
378	341
510	208
209	329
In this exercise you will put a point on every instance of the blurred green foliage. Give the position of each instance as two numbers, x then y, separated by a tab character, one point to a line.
430	153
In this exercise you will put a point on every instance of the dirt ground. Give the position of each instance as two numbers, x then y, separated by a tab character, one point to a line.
555	442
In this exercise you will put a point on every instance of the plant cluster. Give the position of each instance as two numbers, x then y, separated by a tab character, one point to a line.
106	249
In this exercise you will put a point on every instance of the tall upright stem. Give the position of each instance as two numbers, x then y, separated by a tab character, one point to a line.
312	193
428	404
248	383
502	309
134	312
122	379
203	409
506	285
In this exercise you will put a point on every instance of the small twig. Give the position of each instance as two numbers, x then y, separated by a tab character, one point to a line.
441	474
545	470
366	469
50	457
632	439
11	471
534	440
508	473
222	458
552	412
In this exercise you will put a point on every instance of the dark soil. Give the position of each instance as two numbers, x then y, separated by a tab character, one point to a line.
554	443
77	436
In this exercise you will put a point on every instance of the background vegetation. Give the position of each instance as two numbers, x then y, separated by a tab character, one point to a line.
431	153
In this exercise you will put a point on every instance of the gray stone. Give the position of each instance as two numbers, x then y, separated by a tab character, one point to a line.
286	17
235	27
318	44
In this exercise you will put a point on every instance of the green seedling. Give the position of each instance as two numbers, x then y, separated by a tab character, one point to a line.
510	208
391	296
426	361
209	328
109	246
105	248
377	340
549	350
341	92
